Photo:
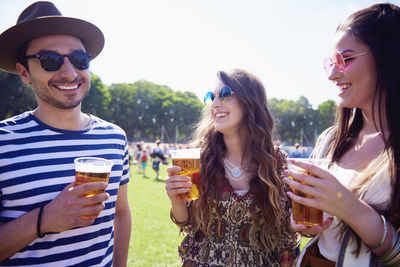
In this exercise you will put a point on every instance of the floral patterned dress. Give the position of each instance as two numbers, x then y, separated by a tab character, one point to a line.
233	247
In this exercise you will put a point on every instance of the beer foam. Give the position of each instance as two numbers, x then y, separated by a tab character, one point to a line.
93	165
191	153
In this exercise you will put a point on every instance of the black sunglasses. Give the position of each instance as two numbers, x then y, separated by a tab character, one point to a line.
51	61
225	94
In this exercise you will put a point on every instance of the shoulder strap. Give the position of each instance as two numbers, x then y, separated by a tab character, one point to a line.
342	250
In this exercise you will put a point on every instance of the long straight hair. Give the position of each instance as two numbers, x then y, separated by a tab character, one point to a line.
259	155
377	26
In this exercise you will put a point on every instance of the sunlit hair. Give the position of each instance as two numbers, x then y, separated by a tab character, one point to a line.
378	27
259	155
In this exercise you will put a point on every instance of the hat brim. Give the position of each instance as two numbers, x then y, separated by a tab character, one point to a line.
12	39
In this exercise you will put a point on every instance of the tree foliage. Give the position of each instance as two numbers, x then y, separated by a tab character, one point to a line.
297	122
15	97
143	108
97	100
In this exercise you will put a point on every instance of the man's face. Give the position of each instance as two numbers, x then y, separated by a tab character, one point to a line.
64	88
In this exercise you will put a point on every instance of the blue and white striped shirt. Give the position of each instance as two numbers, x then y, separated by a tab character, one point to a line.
36	163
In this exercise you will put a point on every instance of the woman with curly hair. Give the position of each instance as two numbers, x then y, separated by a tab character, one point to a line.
242	215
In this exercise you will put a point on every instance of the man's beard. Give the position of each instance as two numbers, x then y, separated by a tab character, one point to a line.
42	92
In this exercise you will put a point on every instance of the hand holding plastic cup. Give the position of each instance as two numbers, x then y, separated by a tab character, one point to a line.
303	214
189	161
89	170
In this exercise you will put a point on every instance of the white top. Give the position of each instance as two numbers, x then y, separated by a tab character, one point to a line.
378	192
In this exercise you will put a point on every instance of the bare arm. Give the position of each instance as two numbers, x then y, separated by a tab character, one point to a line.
122	227
17	234
61	214
371	232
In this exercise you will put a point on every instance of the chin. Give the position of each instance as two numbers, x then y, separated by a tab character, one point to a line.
342	103
220	128
225	129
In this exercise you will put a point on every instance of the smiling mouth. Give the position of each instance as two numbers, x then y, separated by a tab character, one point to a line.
343	88
221	115
67	87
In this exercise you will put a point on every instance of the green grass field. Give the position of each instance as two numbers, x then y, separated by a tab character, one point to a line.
154	238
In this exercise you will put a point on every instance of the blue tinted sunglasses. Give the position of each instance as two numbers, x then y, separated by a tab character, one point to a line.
225	94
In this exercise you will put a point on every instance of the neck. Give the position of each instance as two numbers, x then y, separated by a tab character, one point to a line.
234	149
369	127
370	138
68	119
369	117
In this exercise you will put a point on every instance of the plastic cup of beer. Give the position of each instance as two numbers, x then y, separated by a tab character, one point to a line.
189	161
302	214
89	170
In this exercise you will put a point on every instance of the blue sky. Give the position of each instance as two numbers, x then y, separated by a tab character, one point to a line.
183	43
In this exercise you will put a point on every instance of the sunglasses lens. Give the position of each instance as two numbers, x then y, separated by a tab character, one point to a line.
54	61
80	60
209	98
225	93
50	62
339	61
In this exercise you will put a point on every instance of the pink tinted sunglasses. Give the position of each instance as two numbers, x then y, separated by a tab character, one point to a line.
339	61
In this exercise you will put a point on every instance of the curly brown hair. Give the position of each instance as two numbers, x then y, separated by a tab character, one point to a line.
259	156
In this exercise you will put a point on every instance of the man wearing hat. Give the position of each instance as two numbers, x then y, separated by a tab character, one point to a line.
43	215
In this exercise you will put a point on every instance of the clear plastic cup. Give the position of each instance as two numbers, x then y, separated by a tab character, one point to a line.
189	161
303	214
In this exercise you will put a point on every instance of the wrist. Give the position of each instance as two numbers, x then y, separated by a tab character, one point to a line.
180	213
384	235
178	203
44	222
39	229
179	223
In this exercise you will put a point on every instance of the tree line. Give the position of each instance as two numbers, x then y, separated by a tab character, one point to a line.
148	111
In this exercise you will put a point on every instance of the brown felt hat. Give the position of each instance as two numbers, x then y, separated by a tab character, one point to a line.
40	19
